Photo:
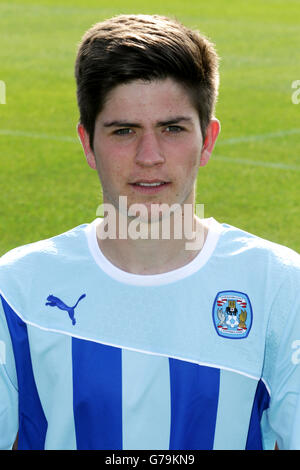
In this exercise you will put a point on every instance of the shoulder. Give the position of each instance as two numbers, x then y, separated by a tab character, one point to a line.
238	242
29	273
24	264
46	247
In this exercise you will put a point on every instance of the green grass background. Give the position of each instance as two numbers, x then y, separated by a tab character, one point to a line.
250	182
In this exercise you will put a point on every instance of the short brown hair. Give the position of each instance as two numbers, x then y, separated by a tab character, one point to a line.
148	47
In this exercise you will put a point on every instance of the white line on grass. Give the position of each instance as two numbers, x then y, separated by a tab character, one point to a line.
35	135
244	161
256	138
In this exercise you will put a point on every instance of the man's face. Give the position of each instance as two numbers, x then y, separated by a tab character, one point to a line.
148	132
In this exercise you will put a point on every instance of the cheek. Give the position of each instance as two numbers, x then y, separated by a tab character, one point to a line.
188	158
109	160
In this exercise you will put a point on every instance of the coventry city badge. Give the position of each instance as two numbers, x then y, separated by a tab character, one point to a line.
232	314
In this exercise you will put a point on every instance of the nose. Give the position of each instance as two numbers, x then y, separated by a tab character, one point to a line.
148	152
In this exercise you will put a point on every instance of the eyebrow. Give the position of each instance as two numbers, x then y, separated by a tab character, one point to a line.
168	122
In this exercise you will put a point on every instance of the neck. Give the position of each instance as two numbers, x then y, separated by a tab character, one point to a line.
140	247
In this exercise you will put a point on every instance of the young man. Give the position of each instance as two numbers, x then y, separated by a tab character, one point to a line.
117	341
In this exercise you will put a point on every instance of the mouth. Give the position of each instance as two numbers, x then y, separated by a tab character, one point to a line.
152	187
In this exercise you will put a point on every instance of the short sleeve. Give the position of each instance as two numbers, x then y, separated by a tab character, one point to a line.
282	366
8	387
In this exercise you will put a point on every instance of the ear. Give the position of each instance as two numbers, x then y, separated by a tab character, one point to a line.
85	142
212	132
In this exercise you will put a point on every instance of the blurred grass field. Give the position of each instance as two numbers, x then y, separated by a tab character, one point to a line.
252	180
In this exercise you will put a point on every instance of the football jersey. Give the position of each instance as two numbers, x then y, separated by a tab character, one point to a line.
205	356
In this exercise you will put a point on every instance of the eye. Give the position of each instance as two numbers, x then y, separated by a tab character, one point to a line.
174	129
123	131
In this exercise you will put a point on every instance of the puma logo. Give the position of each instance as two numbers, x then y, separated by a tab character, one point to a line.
56	302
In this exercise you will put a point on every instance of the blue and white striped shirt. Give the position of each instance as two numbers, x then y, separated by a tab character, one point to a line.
202	357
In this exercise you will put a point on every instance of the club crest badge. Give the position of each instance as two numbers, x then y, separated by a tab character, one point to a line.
232	314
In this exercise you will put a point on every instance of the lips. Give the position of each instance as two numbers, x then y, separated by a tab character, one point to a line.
150	187
149	182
